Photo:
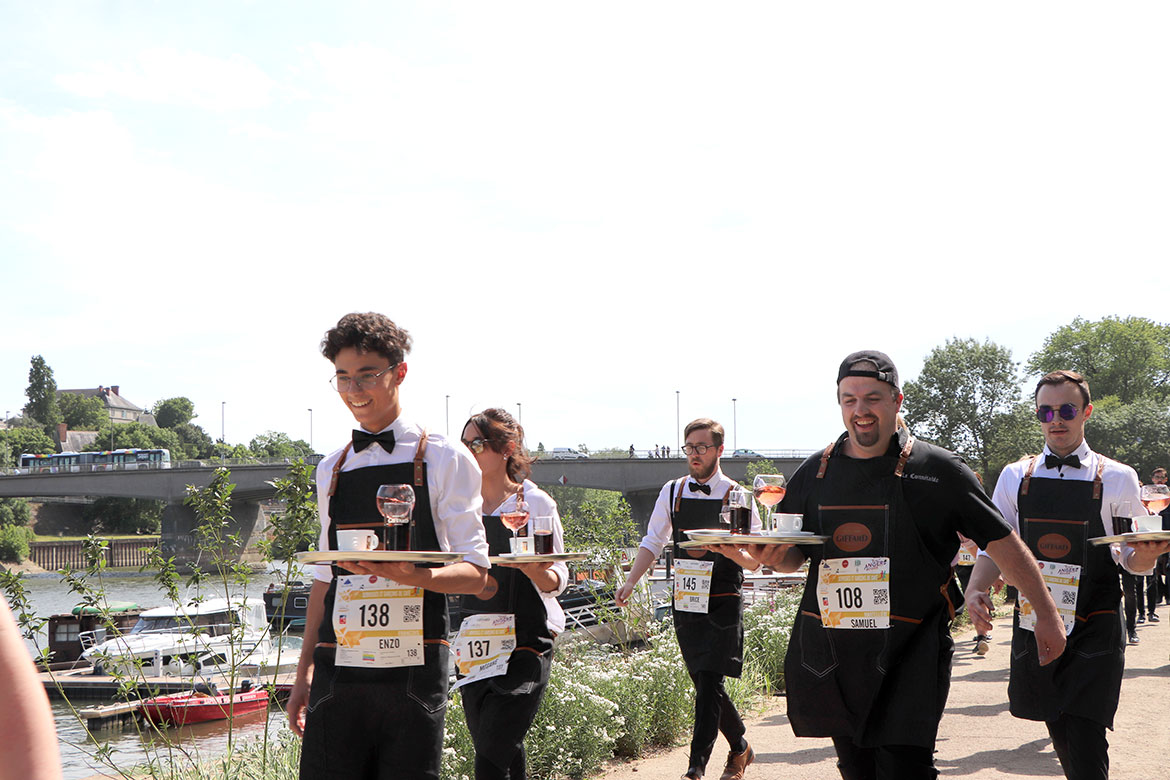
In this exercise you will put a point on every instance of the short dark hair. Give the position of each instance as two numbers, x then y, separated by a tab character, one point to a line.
368	332
500	429
705	424
1158	472
1062	377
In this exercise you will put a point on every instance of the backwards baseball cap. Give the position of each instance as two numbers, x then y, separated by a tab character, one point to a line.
886	371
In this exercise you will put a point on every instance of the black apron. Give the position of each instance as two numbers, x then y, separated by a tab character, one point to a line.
1057	519
876	686
712	642
500	710
352	500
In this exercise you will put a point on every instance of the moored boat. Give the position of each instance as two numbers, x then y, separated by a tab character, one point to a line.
201	706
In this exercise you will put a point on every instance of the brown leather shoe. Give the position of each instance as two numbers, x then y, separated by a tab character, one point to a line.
736	763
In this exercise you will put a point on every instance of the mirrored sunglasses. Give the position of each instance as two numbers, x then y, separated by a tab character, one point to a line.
1066	411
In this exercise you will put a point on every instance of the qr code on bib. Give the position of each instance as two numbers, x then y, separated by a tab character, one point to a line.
881	596
1068	598
411	613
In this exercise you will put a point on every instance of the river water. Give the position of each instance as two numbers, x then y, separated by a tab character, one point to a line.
49	596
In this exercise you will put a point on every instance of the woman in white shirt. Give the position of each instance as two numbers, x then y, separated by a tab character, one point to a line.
500	708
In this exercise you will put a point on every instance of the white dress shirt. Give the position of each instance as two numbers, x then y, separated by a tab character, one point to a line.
453	481
539	505
1119	483
659	531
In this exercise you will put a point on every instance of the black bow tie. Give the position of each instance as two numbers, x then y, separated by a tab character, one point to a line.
361	440
1055	461
699	488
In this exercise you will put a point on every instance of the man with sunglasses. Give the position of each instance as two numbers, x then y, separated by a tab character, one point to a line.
869	658
1058	501
708	616
370	693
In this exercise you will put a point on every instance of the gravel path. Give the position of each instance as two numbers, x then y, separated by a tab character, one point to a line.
978	738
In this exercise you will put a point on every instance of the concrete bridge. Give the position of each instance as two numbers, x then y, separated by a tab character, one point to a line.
637	479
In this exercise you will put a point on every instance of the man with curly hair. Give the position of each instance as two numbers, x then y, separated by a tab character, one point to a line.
370	694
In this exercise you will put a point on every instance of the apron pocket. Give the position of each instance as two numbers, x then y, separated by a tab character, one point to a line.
427	684
817	653
324	677
1099	635
525	673
724	612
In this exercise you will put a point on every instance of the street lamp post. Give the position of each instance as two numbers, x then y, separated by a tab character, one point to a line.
734	427
222	433
519	414
677	424
310	429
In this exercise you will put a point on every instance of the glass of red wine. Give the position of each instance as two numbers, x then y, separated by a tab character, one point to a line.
542	534
395	503
516	518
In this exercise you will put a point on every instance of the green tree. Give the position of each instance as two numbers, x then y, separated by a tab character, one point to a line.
274	444
173	412
124	516
299	525
42	395
82	413
594	519
33	441
964	390
14	511
197	443
1127	357
1137	434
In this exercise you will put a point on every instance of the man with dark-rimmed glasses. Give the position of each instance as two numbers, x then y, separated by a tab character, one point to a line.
370	693
709	619
1058	501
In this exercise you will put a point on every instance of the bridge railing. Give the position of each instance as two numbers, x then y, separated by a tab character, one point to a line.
209	463
660	453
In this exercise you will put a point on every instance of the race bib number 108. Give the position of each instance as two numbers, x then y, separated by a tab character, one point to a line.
854	593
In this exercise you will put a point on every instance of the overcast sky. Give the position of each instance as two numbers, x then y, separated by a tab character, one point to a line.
580	208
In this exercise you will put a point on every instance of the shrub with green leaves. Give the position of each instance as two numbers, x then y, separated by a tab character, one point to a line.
14	541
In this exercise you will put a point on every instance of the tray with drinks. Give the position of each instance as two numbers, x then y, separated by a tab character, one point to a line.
1136	536
379	556
705	536
538	558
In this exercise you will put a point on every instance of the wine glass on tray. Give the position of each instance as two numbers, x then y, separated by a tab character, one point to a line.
769	489
395	503
516	518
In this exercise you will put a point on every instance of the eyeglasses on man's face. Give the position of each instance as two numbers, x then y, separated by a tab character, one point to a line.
1045	414
350	384
701	449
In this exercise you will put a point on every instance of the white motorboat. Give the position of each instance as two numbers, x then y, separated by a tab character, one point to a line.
207	635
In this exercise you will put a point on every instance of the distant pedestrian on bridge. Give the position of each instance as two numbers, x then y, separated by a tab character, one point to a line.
710	633
370	695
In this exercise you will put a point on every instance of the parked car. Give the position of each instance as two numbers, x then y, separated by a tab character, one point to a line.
746	454
567	453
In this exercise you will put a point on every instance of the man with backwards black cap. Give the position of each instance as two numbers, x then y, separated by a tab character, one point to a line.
869	658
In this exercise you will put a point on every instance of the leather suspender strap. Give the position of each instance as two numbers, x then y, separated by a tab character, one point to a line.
677	496
1028	475
825	460
905	456
337	468
419	471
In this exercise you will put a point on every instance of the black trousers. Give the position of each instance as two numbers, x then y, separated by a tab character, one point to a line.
375	726
1134	594
499	712
714	713
1081	746
884	762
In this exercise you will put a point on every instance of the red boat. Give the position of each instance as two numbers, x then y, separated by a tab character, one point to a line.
180	709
